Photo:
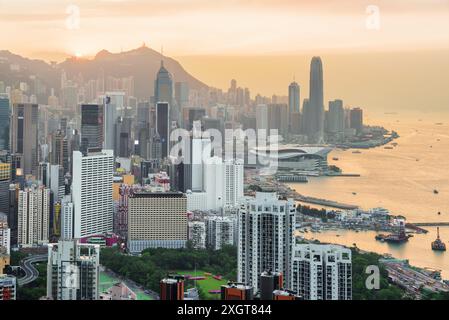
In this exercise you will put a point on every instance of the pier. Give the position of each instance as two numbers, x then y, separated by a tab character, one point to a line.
431	224
327	203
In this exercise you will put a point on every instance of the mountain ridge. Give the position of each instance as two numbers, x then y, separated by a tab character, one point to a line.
142	63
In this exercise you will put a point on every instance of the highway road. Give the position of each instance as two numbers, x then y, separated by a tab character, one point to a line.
31	273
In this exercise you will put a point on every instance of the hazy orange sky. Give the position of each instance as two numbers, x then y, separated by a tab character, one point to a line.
393	56
50	29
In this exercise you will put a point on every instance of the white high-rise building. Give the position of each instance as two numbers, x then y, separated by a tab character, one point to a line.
197	234
220	231
223	183
322	272
92	192
67	217
214	183
196	201
73	270
199	153
33	216
266	226
233	175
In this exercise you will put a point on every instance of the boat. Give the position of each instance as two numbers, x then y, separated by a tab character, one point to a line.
438	245
398	237
388	147
356	151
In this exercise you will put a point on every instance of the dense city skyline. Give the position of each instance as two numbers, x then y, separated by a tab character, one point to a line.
224	150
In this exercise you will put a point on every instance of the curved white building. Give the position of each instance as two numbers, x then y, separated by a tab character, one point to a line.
307	158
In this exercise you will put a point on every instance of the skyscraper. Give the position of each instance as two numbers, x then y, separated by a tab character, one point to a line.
67	217
316	101
336	118
5	235
24	137
33	216
265	226
182	94
123	141
92	130
110	118
73	270
142	130
197	234
219	231
293	97
60	150
322	272
163	91
4	123
13	197
233	176
5	180
92	192
163	126
356	119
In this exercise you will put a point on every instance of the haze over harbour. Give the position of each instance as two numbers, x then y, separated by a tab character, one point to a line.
395	180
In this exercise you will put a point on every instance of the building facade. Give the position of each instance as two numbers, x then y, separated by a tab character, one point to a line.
73	270
92	192
157	220
322	272
220	231
33	216
24	137
265	242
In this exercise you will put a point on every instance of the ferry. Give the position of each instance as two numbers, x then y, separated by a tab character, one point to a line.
438	245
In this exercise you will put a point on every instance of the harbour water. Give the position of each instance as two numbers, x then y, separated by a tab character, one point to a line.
402	180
